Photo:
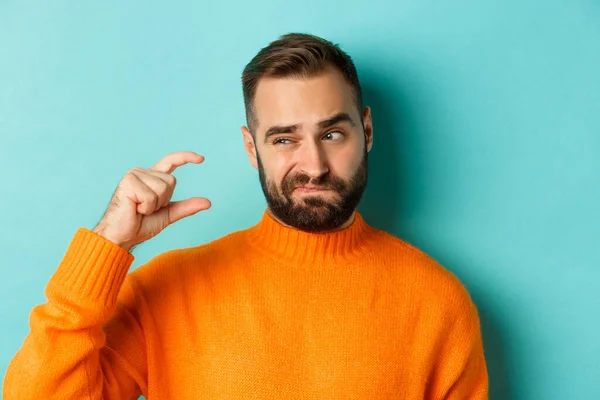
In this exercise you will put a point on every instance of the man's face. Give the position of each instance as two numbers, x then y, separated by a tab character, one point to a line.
310	146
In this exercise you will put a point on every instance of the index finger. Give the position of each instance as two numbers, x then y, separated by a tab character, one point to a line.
173	160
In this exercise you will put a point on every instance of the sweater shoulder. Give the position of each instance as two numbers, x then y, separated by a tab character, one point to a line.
402	253
426	275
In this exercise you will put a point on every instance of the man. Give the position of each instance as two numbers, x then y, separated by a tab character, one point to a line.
310	303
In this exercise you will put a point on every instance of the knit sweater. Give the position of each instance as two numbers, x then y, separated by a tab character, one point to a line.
269	312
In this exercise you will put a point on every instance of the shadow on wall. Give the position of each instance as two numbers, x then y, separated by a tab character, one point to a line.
392	197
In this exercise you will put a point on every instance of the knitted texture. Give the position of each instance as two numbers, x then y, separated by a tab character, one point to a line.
269	312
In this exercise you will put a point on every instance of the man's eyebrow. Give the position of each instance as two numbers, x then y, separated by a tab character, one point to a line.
326	123
336	119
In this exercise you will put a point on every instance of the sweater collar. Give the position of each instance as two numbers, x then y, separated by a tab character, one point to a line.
304	248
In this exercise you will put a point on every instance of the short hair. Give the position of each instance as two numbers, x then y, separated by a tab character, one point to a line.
297	55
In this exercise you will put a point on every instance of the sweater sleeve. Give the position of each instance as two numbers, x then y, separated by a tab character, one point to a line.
86	341
460	372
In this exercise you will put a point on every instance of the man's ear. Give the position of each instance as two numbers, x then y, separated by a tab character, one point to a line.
250	146
368	126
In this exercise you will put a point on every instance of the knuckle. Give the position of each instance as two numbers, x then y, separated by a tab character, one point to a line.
152	198
164	188
129	176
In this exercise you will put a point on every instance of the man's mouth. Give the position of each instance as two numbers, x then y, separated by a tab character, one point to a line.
310	189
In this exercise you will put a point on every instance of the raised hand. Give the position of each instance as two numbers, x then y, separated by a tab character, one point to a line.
141	205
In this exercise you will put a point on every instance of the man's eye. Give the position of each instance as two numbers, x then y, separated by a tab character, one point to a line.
281	141
333	135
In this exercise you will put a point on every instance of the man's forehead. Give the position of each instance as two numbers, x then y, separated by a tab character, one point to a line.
293	100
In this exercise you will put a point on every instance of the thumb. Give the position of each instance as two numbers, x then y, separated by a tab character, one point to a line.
184	208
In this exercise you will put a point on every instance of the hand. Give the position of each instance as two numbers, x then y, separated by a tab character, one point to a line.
141	205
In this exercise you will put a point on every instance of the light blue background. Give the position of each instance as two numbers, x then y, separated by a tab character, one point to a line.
487	137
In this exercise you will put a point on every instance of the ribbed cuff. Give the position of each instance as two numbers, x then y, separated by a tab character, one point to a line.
90	274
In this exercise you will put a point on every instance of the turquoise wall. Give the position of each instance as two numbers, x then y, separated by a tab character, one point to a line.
487	137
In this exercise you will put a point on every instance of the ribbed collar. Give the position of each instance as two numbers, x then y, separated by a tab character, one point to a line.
306	249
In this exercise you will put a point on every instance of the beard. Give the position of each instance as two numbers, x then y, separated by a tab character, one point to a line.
314	213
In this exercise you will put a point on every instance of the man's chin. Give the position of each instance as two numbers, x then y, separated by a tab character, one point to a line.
316	212
316	199
317	207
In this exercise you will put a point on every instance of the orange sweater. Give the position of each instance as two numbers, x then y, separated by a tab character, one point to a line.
264	313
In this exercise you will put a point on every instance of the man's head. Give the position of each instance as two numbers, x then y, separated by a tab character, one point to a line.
307	133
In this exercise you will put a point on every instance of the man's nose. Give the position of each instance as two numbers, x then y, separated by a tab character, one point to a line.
313	160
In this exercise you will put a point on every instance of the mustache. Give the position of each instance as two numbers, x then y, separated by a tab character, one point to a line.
326	181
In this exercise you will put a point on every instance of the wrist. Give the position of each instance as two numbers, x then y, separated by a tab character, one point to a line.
99	230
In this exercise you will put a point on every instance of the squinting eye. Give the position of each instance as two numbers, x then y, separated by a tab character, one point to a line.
281	141
333	135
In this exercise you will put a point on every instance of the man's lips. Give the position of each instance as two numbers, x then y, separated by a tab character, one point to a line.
310	189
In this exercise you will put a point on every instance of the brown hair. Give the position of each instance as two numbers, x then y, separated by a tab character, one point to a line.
296	55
